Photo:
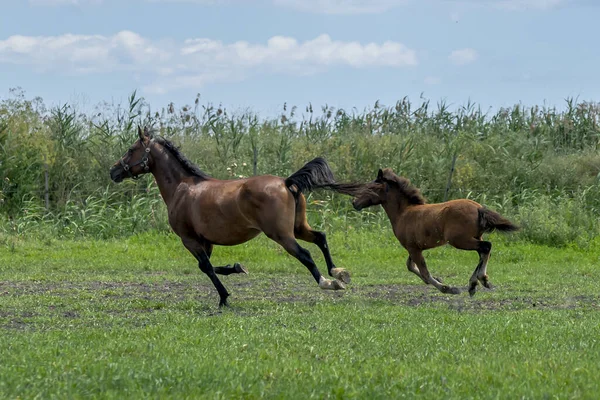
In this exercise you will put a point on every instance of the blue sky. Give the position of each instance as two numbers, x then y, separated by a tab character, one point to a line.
259	54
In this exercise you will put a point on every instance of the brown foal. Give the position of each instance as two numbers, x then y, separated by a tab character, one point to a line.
204	211
420	226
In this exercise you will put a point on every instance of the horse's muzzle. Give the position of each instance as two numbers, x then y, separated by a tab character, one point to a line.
357	206
116	174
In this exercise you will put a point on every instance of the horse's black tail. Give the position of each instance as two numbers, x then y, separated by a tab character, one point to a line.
316	174
313	174
490	220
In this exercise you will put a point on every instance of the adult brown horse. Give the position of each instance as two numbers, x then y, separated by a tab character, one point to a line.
205	212
420	226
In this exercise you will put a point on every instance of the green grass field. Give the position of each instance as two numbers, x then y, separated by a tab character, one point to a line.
135	318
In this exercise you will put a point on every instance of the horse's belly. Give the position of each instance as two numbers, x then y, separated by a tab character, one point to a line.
232	238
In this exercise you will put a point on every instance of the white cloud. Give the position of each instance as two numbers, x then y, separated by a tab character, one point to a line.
516	5
82	53
195	62
204	2
528	4
463	56
283	51
63	2
342	6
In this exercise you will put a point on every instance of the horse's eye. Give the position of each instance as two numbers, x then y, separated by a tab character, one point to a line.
129	152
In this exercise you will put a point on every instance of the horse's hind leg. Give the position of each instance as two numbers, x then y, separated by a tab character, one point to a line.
303	255
304	232
319	238
417	257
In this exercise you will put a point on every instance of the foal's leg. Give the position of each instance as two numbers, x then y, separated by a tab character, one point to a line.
303	231
417	257
199	251
303	255
412	267
483	248
227	269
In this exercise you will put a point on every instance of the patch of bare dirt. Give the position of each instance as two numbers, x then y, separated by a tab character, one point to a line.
70	300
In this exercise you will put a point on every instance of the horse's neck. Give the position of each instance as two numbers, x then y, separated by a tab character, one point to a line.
168	172
395	207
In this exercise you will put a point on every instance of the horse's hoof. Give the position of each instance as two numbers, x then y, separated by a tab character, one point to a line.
341	274
338	285
450	290
331	284
240	269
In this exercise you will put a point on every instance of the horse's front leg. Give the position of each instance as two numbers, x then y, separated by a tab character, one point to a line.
199	249
237	268
227	269
419	260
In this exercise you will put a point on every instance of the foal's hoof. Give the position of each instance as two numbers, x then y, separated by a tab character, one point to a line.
331	284
472	290
341	274
240	269
487	285
450	290
485	282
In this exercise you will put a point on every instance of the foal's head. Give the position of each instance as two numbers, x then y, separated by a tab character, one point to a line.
137	159
388	186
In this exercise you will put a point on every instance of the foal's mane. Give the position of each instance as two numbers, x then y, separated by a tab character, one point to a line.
175	152
412	193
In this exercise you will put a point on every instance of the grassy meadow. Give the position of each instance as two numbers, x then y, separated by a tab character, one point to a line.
98	299
135	318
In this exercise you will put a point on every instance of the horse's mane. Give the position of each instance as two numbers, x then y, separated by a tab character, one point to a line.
412	193
185	163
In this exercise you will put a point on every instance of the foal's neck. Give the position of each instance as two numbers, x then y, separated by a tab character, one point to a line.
395	206
168	172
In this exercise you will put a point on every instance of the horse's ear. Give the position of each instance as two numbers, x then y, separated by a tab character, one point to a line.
380	175
146	131
140	133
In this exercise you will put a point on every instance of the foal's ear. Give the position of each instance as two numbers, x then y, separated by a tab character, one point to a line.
380	175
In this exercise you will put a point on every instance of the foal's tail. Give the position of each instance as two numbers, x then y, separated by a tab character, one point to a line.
490	220
316	174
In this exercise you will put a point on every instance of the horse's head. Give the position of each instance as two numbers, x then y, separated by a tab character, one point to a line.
373	193
137	159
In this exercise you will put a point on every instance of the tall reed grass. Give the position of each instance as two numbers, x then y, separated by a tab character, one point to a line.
538	165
